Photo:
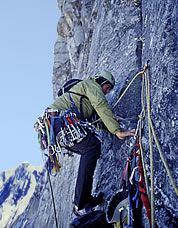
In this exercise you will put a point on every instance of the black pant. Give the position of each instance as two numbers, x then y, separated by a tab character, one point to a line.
89	149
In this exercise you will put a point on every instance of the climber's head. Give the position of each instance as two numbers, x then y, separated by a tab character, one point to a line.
105	80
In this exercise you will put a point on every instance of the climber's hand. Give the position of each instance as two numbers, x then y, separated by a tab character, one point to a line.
118	118
125	134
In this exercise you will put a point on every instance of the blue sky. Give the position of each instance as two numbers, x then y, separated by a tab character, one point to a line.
28	34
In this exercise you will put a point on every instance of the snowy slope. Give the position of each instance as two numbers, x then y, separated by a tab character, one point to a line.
17	187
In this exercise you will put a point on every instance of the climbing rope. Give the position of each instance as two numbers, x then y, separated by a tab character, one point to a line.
141	118
152	132
163	158
147	85
128	87
52	194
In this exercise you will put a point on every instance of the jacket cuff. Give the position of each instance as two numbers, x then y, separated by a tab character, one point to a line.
116	131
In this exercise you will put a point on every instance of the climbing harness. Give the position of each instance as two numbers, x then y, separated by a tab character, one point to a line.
60	131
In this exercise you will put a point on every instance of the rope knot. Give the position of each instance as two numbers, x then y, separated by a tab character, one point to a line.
145	68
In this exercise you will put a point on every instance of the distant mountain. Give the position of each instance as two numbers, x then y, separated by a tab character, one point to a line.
18	186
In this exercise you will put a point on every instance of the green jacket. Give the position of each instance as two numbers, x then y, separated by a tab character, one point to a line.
96	102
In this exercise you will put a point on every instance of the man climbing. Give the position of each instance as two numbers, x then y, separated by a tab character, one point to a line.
94	101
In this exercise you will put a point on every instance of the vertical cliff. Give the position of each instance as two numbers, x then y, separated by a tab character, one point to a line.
119	36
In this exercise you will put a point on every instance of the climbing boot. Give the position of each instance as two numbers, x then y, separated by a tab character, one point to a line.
94	201
78	212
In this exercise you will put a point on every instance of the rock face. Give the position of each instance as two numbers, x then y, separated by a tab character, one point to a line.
120	36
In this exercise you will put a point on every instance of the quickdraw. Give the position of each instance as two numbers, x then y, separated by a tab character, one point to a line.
71	130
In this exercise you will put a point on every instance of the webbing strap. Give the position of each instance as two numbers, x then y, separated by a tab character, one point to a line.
52	131
73	104
142	186
52	136
47	132
125	173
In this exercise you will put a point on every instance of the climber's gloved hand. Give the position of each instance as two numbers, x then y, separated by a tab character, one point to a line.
125	134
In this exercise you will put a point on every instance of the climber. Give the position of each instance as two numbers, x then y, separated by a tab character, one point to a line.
94	90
